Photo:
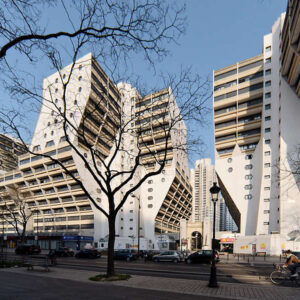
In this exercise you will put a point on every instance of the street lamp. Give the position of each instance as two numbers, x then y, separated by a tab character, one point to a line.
139	213
214	190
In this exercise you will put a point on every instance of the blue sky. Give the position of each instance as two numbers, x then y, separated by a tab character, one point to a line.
218	33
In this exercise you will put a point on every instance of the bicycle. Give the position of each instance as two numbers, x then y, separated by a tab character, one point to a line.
282	275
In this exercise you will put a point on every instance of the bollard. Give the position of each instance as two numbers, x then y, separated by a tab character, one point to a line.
227	256
248	260
280	258
265	257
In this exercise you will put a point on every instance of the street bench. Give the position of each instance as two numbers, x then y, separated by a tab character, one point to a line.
37	261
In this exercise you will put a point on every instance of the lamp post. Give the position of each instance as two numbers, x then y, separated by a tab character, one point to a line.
214	190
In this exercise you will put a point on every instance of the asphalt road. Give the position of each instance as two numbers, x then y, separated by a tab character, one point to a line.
28	287
226	272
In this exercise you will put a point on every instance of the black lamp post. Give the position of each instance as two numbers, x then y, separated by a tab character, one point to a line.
214	190
139	221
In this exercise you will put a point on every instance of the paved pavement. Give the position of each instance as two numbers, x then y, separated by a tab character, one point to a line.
180	287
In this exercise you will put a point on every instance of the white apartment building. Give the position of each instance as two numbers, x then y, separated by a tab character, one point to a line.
256	108
95	109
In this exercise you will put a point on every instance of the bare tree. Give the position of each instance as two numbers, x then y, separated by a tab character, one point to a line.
16	212
113	29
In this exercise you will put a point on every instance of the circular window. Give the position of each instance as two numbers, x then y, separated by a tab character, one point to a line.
229	160
80	78
150	190
80	67
85	155
56	90
163	180
150	198
98	191
98	200
79	89
230	170
150	205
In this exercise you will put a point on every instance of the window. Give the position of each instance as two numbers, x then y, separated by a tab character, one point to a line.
79	89
75	102
248	167
268	49
266	223
150	190
266	188
267	165
248	176
48	124
71	115
266	211
79	78
150	198
50	143
163	180
266	199
267	176
268	129
56	90
267	142
267	95
248	197
267	106
150	181
248	156
248	187
267	118
230	170
150	205
268	60
56	101
268	83
131	211
56	80
229	160
268	72
62	139
64	76
52	113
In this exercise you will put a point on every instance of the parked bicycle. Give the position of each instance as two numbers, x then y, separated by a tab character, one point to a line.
282	276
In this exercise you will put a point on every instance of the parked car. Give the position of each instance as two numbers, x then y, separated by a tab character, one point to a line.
202	256
227	249
88	253
28	249
167	256
64	251
125	254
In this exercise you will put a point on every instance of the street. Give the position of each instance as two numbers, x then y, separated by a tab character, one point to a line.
227	272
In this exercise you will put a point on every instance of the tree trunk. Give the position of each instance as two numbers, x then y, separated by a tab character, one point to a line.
23	234
111	244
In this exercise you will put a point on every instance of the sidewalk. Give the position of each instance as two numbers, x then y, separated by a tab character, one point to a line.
180	286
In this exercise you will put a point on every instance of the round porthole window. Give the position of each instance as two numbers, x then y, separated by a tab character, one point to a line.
230	170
